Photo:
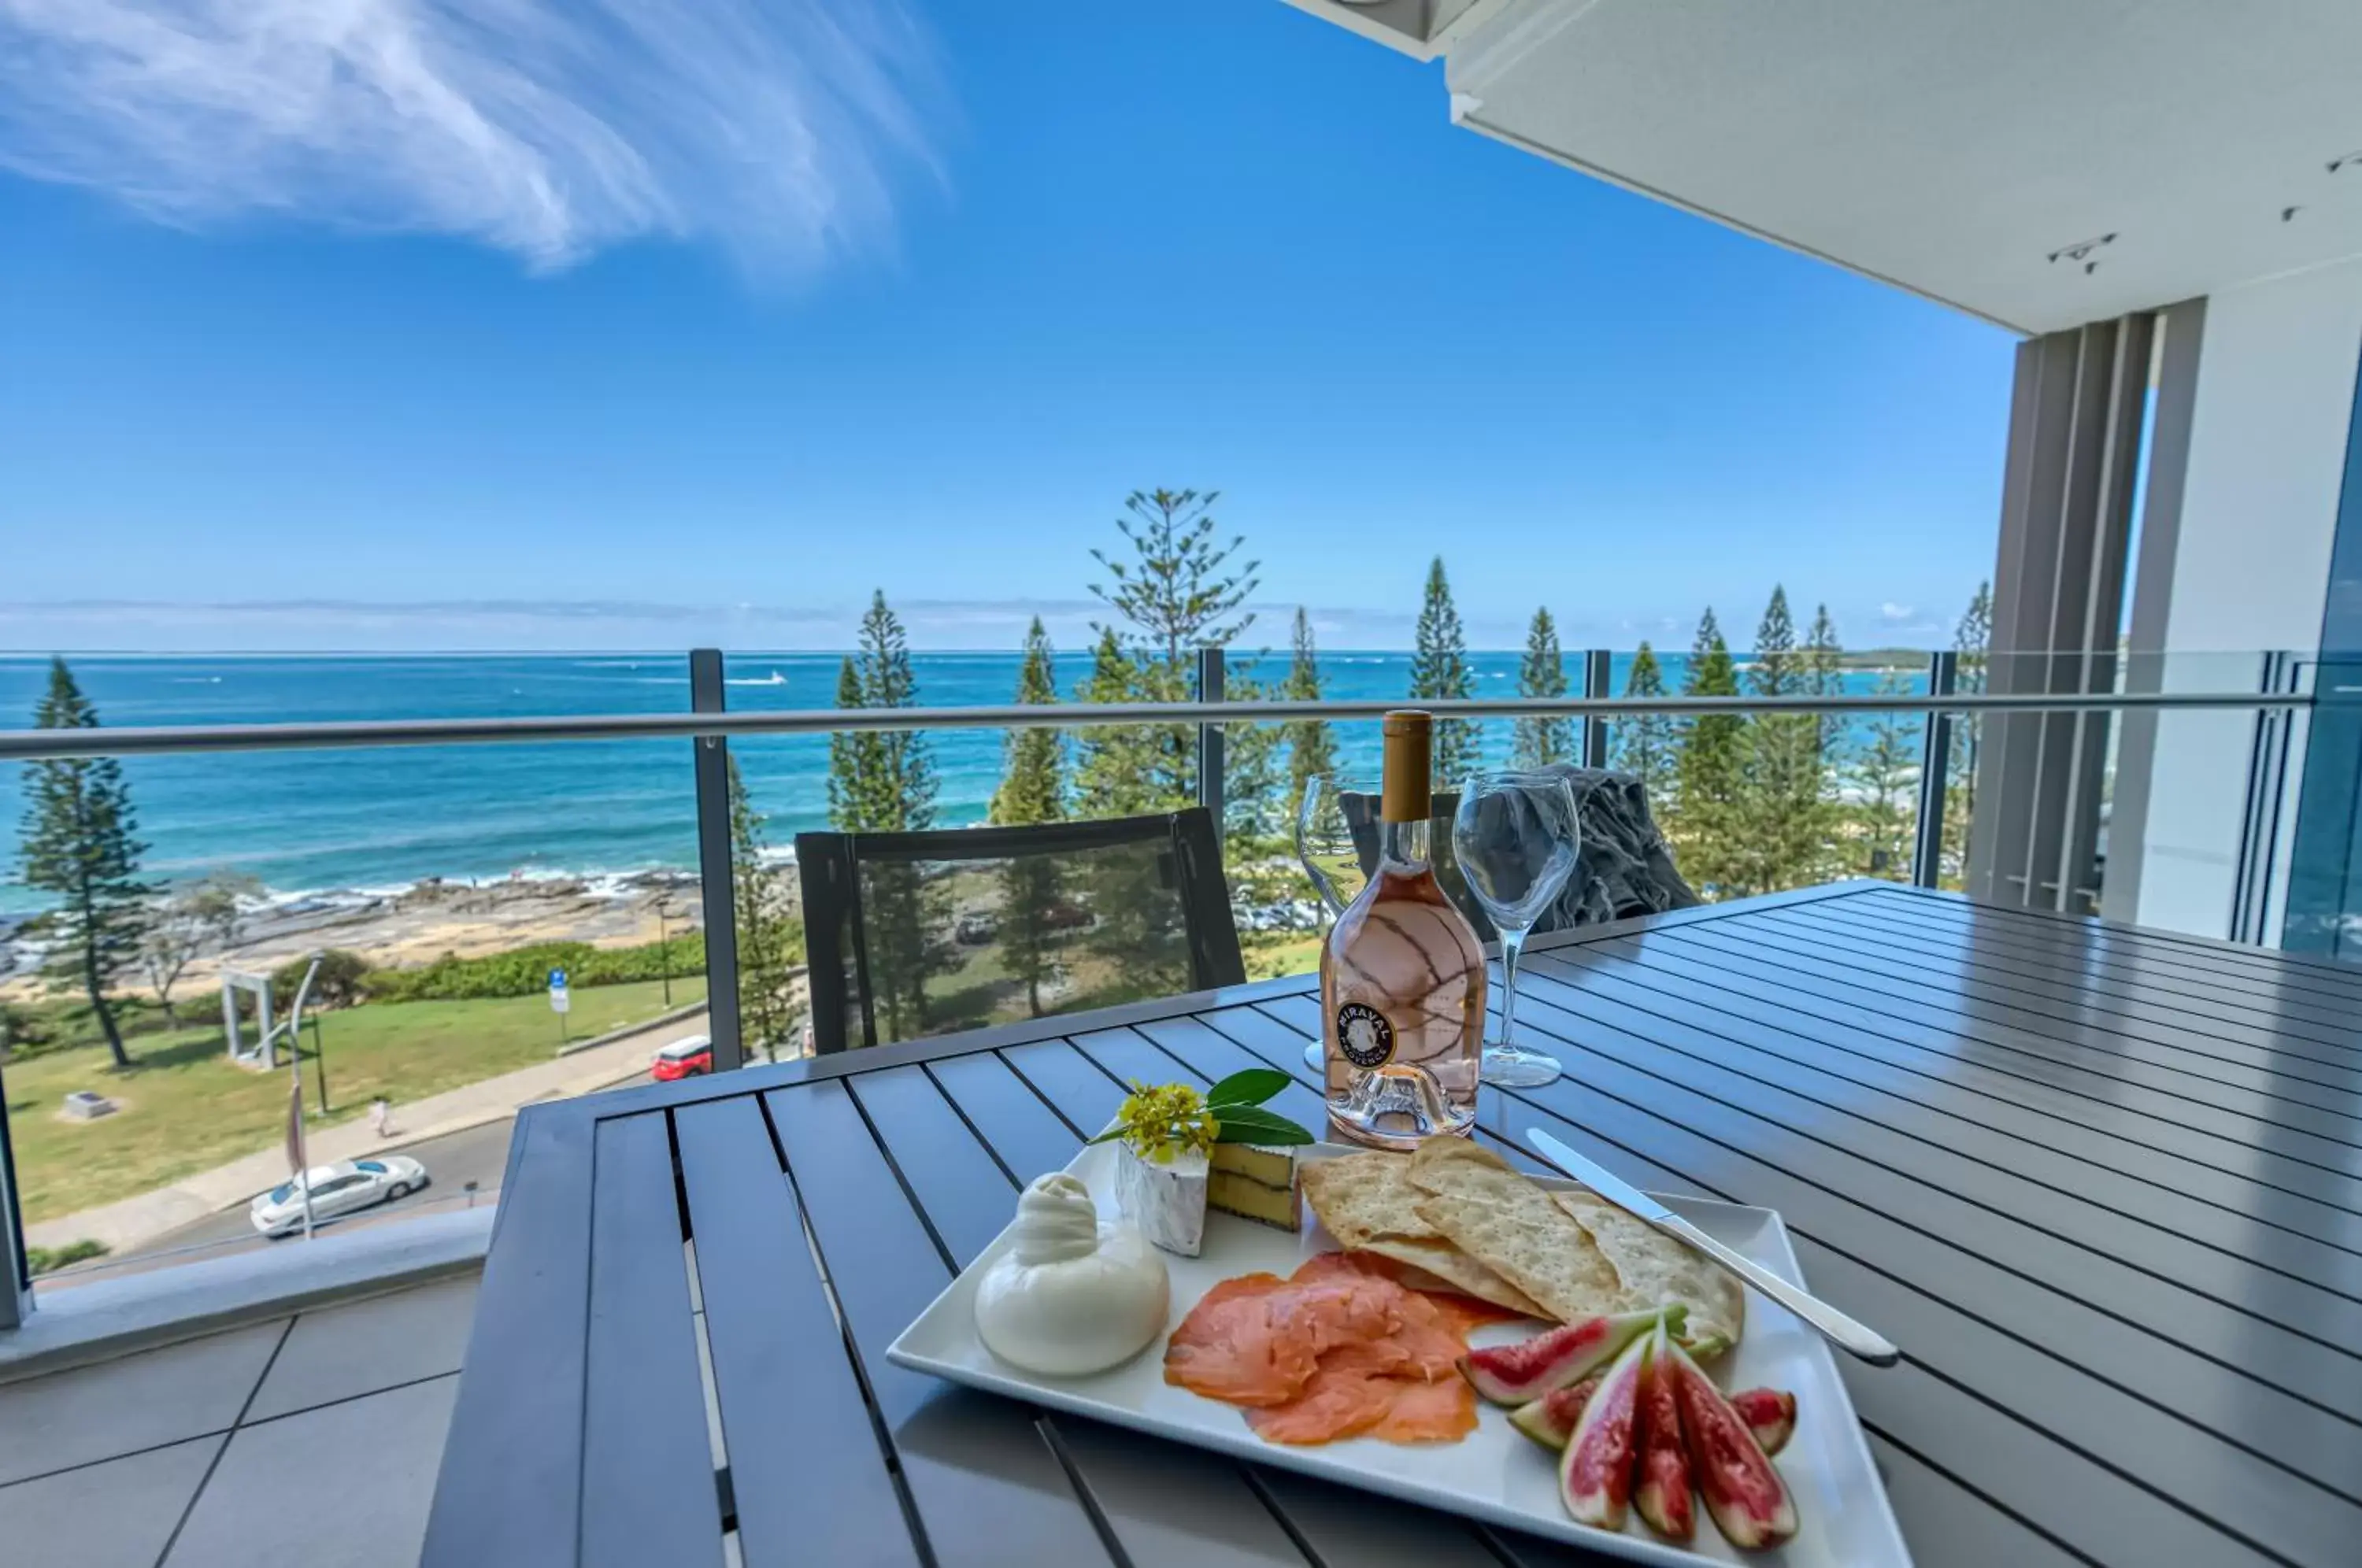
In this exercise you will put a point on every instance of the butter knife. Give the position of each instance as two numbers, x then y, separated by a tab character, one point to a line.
1840	1330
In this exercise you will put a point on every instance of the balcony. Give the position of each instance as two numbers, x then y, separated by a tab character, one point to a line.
307	1437
354	1337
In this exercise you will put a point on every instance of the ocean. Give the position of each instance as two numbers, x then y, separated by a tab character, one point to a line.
310	823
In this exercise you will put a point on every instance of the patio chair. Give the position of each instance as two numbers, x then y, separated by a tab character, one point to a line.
1625	868
920	934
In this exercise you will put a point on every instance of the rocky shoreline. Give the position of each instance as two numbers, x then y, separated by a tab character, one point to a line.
419	923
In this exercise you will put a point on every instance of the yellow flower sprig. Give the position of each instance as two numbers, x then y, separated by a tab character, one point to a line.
1162	1123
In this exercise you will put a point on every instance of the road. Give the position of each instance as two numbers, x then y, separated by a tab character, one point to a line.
474	1154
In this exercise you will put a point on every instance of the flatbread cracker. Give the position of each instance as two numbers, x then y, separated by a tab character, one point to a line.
1509	1224
1454	1270
1362	1197
1368	1203
1653	1269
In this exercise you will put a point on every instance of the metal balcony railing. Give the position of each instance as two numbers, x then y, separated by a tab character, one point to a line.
709	724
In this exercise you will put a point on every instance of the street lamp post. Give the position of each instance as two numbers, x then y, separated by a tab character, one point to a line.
664	948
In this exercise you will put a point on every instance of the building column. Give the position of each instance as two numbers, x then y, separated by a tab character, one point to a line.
2076	418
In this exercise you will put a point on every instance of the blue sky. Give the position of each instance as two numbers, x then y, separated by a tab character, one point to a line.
346	397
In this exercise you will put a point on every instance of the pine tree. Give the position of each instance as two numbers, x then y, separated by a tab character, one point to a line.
1883	776
1032	789
1252	799
1119	771
880	780
884	781
1970	641
1174	591
1648	746
1112	762
1541	740
1177	592
769	944
1438	669
1775	671
1823	661
1785	830
1311	749
855	760
1710	777
78	844
1032	784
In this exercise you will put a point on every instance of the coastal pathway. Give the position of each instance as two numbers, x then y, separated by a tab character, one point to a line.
135	1223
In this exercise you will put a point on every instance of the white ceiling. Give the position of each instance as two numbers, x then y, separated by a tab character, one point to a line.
1949	147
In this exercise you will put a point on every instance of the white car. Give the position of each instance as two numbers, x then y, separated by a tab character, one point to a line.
336	1190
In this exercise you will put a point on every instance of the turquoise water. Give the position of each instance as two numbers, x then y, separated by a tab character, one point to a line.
310	822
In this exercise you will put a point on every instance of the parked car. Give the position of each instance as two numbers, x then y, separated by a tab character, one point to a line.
684	1058
975	929
340	1188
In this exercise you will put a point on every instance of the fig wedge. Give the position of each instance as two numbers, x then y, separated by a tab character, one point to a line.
1524	1372
1662	1492
1549	1421
1770	1414
1744	1494
1595	1474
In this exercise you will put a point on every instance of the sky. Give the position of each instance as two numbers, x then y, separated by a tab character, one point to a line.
578	324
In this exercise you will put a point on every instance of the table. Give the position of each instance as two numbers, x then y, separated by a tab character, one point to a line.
2104	1186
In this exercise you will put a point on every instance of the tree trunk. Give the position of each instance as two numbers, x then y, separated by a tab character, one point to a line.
99	1005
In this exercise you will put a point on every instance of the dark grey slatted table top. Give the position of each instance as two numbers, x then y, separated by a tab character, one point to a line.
2104	1186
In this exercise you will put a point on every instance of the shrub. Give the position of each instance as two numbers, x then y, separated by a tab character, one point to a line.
343	980
525	970
24	1031
47	1260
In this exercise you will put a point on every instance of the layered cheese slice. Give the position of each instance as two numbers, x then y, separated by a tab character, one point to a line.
1255	1182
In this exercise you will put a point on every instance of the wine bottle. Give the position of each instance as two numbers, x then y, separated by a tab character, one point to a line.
1402	978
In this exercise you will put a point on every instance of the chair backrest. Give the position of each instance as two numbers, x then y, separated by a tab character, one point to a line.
1624	867
916	933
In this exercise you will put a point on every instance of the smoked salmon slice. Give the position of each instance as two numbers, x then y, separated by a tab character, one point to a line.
1429	1412
1229	1347
1337	1351
1335	1404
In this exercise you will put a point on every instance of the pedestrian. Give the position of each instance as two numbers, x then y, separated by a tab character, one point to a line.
381	1116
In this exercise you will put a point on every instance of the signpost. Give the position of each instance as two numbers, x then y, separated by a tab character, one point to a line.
297	1160
559	1001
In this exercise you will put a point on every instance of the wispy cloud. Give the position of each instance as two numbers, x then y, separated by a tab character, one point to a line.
549	128
1891	611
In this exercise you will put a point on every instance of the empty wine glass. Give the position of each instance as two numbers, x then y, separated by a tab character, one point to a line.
1324	843
1515	835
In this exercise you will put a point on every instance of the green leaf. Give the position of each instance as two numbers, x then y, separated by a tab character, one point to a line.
1251	1087
1250	1124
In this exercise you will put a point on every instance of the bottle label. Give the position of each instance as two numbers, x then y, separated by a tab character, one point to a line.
1365	1035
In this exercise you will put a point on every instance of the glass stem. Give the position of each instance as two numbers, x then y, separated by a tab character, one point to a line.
1512	944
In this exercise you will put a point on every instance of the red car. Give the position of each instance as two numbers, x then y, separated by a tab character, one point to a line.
684	1058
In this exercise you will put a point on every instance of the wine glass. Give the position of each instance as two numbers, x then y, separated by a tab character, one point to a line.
1515	835
1324	843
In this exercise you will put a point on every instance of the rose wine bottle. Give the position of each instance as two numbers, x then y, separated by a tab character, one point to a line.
1402	978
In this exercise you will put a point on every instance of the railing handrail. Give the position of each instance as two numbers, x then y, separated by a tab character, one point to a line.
138	740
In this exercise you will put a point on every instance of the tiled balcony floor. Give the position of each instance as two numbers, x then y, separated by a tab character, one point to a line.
309	1442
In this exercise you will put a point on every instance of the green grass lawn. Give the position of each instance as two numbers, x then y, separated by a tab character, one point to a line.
1271	954
186	1109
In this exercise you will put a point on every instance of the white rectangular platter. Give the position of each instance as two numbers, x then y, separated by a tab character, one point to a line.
1495	1472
